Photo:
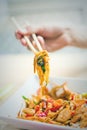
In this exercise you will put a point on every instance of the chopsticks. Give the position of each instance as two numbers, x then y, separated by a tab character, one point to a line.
37	42
27	39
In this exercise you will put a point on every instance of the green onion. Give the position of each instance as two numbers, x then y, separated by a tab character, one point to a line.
25	98
43	68
36	103
41	63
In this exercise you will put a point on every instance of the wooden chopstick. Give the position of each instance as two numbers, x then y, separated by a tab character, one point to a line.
35	39
25	37
37	42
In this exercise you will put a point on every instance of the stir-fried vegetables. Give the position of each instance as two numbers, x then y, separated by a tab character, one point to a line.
66	108
41	66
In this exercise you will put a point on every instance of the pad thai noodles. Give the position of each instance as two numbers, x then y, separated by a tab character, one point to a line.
58	106
41	66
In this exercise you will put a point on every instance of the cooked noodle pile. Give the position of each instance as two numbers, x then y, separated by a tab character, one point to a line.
59	106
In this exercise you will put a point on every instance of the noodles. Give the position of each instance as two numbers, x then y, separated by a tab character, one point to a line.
69	110
41	66
59	105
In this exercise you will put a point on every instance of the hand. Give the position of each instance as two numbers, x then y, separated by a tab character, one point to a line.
50	38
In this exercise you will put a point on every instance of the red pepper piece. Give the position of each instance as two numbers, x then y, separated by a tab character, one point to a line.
28	115
54	109
37	108
72	113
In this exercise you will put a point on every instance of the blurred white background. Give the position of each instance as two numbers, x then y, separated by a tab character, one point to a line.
38	12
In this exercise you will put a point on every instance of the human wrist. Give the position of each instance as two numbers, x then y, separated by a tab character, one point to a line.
78	36
70	37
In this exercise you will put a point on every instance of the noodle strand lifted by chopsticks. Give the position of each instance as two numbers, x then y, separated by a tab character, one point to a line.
41	66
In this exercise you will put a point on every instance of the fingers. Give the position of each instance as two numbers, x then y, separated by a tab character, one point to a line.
20	37
27	31
18	34
41	41
23	41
